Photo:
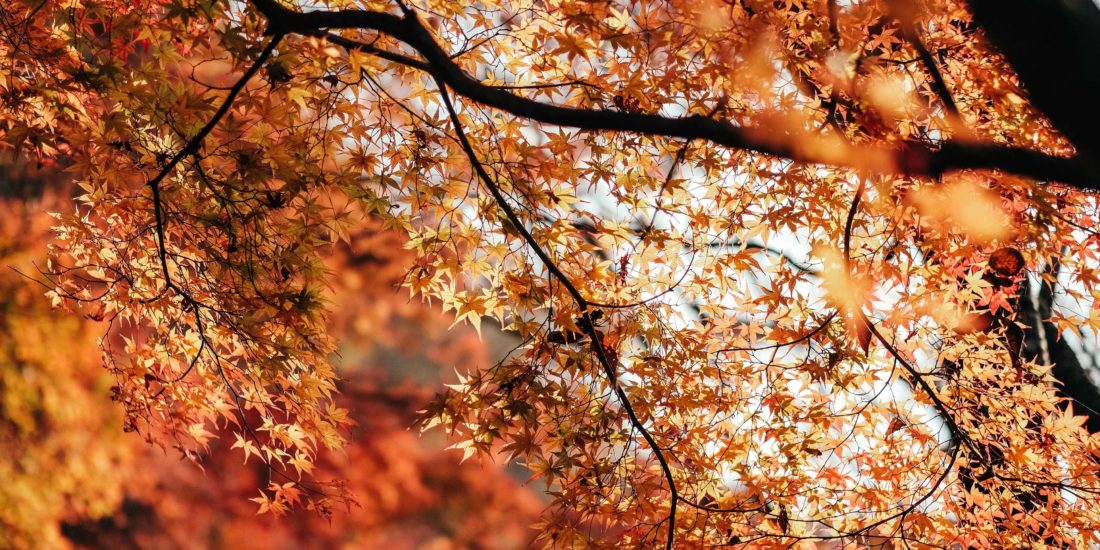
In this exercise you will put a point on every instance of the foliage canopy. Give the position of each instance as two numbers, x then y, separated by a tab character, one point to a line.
765	258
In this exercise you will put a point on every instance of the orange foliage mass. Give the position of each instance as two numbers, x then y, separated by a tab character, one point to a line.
72	478
762	266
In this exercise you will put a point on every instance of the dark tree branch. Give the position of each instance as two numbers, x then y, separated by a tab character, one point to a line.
914	158
192	148
583	305
195	142
908	32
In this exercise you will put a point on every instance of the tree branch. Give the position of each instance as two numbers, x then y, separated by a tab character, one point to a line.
582	305
912	158
192	148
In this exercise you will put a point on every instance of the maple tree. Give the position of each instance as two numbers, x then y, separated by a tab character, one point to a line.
768	260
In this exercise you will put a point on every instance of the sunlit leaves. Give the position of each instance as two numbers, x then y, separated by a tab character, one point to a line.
791	357
962	205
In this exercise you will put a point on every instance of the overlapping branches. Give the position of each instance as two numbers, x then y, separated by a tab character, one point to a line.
912	158
795	180
929	159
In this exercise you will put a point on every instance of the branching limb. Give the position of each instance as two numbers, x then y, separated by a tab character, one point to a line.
913	158
581	302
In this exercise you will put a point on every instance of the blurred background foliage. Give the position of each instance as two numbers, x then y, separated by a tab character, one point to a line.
72	478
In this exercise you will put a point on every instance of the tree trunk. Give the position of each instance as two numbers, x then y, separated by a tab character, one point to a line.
1042	344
